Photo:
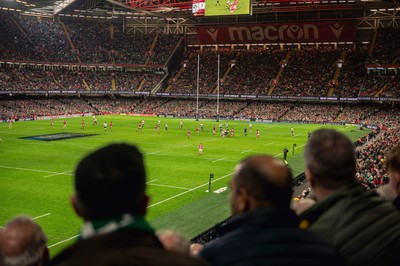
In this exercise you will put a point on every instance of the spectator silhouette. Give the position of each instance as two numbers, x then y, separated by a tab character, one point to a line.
23	243
361	225
110	196
264	230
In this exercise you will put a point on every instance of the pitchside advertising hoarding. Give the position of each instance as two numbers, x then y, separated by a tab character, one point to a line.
278	33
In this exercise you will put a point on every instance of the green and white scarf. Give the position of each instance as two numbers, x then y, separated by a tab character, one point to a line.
105	226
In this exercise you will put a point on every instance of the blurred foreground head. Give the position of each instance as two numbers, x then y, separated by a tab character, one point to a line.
258	182
23	243
110	182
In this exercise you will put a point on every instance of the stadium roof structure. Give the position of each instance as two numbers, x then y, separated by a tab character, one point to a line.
346	9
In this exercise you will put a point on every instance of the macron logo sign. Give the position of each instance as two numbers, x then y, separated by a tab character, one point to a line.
329	31
337	30
213	32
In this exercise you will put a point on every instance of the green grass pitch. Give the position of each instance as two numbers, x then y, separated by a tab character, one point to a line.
36	176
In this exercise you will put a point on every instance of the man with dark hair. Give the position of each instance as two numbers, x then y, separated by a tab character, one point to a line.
361	225
23	243
110	196
263	229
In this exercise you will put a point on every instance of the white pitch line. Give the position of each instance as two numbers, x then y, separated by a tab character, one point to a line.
183	146
148	182
40	216
160	185
150	153
155	204
268	144
34	218
183	193
221	159
27	169
65	240
63	173
39	143
246	151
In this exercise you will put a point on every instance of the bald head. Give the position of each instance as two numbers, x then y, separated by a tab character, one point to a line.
260	181
22	242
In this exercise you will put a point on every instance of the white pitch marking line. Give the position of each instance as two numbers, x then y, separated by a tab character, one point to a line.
220	159
38	143
183	193
246	151
148	182
40	216
34	218
155	204
160	185
26	169
150	153
63	173
183	146
65	240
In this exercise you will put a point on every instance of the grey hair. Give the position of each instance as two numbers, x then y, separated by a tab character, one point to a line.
33	249
330	157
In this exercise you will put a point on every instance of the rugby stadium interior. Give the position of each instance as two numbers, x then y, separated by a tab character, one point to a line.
308	62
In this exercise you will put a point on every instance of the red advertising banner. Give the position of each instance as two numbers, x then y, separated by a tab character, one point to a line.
278	33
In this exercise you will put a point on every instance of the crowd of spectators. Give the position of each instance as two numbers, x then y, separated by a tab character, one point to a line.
384	116
208	72
371	158
48	38
13	44
131	48
385	48
352	74
91	40
320	113
252	72
355	114
32	79
38	79
367	114
33	108
265	111
307	73
163	48
43	39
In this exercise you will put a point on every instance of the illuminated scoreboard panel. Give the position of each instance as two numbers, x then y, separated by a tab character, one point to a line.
198	7
221	7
